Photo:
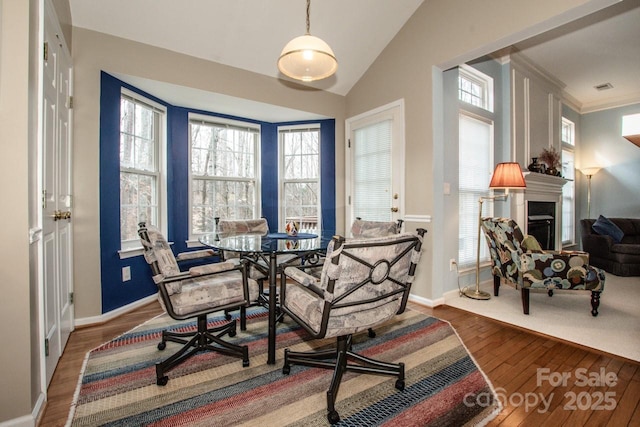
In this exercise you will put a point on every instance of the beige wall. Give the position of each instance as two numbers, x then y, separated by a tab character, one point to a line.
63	12
93	52
437	34
16	376
442	34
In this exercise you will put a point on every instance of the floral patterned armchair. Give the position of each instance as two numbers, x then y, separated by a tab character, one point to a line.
364	283
527	267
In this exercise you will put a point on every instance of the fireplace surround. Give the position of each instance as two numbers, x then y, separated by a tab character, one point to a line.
546	193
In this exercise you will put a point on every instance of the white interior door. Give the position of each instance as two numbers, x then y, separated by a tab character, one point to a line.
375	165
56	198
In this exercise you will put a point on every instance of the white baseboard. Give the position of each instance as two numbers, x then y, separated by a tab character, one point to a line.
24	421
86	321
426	301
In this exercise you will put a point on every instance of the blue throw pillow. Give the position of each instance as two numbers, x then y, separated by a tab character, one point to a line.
604	226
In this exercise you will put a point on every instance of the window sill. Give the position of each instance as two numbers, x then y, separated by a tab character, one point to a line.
131	252
194	244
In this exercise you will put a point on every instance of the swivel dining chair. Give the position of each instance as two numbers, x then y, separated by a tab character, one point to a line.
364	283
196	293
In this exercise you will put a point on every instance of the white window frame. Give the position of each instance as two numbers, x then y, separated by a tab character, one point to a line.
223	122
478	78
134	247
282	181
481	111
568	137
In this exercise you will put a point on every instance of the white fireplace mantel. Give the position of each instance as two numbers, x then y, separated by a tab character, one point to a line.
542	183
540	188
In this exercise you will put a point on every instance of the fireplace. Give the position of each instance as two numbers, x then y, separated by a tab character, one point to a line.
538	209
541	223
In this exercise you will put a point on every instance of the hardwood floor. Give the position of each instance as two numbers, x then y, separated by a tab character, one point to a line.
525	369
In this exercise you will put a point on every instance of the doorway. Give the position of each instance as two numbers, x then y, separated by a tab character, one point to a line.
374	161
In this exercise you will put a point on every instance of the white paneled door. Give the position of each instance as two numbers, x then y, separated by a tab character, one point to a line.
375	165
57	272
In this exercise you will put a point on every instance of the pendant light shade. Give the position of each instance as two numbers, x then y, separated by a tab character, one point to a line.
307	57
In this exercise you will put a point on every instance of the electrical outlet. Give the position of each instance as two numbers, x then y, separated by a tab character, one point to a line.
126	273
452	264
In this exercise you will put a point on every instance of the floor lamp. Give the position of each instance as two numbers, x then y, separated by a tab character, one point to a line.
589	172
506	176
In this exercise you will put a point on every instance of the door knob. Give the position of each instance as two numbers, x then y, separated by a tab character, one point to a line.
58	215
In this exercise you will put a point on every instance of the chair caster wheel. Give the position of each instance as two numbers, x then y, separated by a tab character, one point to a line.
400	385
227	316
372	333
550	292
286	370
232	334
333	417
245	363
162	345
162	380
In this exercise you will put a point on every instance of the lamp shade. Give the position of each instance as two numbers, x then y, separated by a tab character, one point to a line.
307	58
507	175
590	171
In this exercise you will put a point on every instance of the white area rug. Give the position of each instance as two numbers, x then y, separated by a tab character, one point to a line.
567	315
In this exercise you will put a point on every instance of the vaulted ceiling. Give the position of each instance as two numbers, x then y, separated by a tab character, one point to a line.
250	34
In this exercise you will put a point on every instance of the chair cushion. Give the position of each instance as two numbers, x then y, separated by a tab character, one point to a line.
193	295
248	226
530	243
309	306
560	271
605	226
362	229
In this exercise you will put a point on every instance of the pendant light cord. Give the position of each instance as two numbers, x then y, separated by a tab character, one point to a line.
308	9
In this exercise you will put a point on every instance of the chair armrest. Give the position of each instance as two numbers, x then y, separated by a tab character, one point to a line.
584	255
218	267
303	279
191	255
531	261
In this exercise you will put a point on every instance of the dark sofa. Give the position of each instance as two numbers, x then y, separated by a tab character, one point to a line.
621	259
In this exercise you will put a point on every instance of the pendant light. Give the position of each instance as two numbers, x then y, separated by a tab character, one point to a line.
307	58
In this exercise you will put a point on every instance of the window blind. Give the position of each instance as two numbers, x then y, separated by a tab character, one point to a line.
372	171
474	174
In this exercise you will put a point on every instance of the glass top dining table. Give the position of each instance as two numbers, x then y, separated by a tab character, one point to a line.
268	247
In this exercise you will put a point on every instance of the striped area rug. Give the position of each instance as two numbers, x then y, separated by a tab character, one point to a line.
444	387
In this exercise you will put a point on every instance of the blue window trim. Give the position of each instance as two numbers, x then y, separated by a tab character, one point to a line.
115	294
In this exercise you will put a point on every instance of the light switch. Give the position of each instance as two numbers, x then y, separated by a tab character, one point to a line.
126	273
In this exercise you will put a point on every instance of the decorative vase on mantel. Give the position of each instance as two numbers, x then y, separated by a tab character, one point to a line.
535	166
552	171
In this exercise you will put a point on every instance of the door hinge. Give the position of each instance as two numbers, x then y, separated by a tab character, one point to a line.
349	200
348	143
70	297
46	51
46	346
44	199
71	102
